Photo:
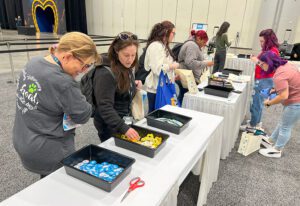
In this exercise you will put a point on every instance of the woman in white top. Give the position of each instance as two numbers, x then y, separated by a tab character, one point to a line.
159	57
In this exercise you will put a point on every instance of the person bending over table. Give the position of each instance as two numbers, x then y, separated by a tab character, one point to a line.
115	87
46	90
287	85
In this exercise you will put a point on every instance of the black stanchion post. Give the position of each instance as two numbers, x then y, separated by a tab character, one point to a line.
11	64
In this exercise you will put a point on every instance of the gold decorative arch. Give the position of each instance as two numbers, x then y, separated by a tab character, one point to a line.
43	4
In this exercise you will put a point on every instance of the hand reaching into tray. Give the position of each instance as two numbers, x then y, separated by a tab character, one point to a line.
132	134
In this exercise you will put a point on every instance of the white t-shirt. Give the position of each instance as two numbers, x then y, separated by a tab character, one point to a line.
156	60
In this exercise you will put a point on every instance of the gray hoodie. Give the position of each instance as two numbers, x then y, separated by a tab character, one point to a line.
44	93
191	57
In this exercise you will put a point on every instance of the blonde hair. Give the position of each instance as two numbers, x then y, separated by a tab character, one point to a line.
79	44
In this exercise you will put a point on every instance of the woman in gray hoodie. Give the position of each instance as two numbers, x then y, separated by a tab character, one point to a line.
191	57
47	90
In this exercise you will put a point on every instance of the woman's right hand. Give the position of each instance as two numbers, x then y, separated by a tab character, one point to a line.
132	134
254	58
173	66
210	63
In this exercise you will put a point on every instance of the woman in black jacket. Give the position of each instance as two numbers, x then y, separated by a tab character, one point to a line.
115	87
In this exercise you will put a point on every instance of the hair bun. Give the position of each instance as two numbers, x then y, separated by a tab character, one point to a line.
193	32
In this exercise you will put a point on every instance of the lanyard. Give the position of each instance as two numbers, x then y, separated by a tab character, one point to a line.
56	60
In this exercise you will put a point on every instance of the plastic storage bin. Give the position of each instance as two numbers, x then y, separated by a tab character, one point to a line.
138	148
217	91
93	152
228	71
151	121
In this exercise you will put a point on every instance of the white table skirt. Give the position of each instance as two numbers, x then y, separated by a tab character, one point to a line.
246	65
162	174
297	63
233	109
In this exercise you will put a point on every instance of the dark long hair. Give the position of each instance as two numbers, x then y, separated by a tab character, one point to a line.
122	73
270	39
223	28
161	32
272	60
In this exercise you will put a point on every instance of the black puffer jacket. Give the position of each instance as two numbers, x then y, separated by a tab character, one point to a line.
111	104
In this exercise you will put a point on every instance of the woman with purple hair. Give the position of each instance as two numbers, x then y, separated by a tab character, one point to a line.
287	86
268	42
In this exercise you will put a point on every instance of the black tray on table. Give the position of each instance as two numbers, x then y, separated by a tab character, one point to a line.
228	71
152	121
218	91
246	56
138	148
99	154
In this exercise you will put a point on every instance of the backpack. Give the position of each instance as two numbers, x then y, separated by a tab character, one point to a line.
86	86
142	73
176	50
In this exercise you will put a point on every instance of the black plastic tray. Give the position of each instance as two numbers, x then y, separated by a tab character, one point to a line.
232	71
217	91
93	152
246	56
151	121
138	148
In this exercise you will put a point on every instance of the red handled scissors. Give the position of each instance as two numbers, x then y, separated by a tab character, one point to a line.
133	184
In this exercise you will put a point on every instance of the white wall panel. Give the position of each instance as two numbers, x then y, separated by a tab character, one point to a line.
266	18
200	11
288	20
169	10
118	17
216	14
155	12
234	15
89	16
130	15
141	23
183	19
107	9
297	32
248	32
249	17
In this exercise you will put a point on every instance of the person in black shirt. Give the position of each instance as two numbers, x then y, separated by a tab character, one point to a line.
115	87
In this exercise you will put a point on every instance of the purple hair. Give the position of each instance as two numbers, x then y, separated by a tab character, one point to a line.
272	60
270	39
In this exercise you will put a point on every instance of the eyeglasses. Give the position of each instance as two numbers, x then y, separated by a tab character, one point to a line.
260	63
85	66
125	36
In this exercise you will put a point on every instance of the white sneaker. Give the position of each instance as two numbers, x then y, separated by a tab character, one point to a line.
258	125
270	152
244	127
247	126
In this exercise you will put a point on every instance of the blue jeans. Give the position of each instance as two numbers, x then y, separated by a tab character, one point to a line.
151	101
282	133
257	100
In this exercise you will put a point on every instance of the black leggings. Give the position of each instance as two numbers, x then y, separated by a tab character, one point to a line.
219	61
